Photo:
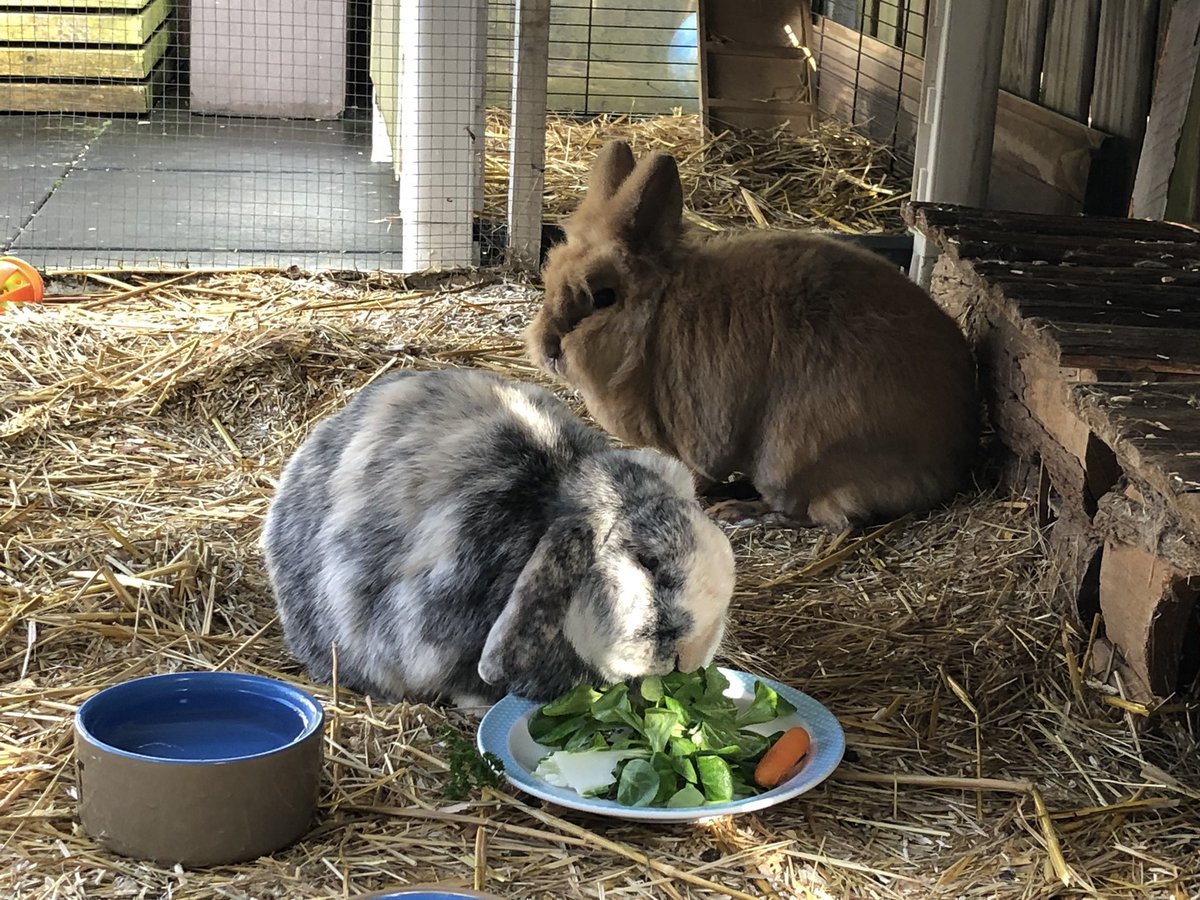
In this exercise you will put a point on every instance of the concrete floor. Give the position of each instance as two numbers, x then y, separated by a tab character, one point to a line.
175	189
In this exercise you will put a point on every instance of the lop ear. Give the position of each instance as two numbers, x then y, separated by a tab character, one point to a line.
613	164
668	468
650	202
537	606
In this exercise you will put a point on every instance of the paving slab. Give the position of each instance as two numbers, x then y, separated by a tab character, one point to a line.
33	141
224	144
22	191
302	213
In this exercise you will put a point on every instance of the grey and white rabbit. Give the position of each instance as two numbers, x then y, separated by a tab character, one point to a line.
458	535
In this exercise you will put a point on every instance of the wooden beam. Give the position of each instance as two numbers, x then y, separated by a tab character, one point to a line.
1168	111
1069	63
527	136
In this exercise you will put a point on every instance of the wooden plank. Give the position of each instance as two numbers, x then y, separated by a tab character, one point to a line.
1126	347
114	97
1024	44
85	28
1082	276
84	62
1042	161
1168	111
1128	32
983	224
1069	62
72	4
752	73
1183	190
527	141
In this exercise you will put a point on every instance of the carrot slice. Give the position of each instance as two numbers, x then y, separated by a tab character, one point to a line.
781	757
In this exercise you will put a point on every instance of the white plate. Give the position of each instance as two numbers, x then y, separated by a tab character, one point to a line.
505	732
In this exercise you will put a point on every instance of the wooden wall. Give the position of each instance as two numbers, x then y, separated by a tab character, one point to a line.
1076	78
607	55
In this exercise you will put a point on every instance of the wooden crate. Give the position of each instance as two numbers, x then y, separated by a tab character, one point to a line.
1087	332
755	66
98	56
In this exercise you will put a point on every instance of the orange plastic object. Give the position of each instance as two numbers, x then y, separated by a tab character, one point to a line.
19	281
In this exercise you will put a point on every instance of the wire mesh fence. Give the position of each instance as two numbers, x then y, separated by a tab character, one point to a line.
171	133
216	133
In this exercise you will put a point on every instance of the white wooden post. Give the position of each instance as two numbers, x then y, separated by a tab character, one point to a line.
527	135
439	102
964	43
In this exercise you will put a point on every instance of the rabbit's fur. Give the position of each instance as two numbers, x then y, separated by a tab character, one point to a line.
458	535
813	367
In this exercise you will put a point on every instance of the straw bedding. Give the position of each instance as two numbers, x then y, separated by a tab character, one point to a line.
833	179
142	427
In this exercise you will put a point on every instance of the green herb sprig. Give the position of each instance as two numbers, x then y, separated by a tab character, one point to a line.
470	770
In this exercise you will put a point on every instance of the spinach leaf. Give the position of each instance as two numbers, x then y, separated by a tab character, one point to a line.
686	796
767	705
661	726
638	784
576	701
554	732
716	778
651	689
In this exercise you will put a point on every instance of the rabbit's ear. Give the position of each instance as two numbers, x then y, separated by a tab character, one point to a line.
613	164
537	606
650	202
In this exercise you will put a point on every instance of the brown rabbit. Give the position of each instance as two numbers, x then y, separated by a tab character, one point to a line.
811	366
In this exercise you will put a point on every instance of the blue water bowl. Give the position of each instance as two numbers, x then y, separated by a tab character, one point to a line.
424	892
198	768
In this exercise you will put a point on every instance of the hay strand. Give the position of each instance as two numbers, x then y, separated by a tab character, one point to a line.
140	442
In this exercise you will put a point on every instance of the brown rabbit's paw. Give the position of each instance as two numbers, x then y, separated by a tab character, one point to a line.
754	512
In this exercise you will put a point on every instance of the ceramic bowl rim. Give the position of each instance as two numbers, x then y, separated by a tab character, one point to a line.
269	688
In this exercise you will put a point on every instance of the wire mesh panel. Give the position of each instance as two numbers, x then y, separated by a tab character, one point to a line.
164	133
870	56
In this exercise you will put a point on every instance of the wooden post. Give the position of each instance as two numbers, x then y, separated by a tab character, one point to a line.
527	136
439	100
480	79
958	110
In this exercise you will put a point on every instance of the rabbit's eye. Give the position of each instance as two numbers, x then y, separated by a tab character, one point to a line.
648	562
604	297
